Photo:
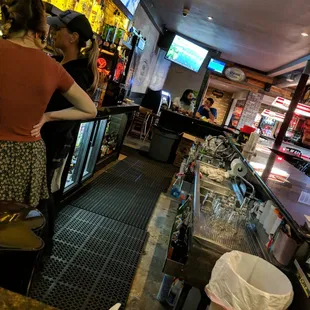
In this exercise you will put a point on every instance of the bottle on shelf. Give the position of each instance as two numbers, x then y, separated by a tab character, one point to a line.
183	167
176	187
184	206
190	173
179	246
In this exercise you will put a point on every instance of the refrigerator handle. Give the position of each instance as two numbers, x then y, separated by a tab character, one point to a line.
94	134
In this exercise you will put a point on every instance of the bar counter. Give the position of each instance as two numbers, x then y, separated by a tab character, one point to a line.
280	181
273	179
284	182
13	301
180	123
118	109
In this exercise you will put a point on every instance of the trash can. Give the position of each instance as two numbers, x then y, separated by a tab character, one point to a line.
162	143
242	281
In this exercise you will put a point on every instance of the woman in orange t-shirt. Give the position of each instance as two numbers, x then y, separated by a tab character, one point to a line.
28	79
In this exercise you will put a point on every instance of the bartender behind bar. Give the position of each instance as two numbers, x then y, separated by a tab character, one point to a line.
206	111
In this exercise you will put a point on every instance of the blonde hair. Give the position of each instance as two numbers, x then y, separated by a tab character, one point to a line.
22	16
92	53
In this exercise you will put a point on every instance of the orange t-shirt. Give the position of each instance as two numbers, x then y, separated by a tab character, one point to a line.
28	79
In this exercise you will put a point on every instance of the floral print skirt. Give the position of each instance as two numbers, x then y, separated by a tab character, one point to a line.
23	172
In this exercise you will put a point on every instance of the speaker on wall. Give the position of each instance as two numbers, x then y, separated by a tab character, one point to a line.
166	39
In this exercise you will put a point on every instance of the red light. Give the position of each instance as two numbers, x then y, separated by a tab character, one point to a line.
280	158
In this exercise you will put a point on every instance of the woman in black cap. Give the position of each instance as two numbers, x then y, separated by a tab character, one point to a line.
73	35
28	79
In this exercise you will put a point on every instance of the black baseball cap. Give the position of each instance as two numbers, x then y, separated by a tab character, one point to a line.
74	21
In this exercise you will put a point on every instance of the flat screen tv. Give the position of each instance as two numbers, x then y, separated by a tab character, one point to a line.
186	53
131	5
216	65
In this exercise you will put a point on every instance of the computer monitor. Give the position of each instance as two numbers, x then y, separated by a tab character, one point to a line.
216	66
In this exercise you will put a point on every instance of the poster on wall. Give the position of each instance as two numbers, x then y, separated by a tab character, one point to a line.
145	67
160	72
235	118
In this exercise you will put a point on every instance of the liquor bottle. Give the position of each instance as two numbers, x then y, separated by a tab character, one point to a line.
71	4
183	167
190	173
185	206
176	188
180	246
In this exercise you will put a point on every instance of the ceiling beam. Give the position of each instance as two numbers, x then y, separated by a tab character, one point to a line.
291	66
242	86
254	86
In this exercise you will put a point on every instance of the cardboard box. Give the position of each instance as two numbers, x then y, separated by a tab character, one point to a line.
184	148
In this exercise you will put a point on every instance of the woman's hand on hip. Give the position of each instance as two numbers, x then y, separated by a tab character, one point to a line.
36	131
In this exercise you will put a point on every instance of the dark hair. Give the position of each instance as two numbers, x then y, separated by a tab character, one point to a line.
184	98
92	53
211	100
23	15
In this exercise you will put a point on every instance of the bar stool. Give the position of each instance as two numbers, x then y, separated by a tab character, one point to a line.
20	244
153	121
139	122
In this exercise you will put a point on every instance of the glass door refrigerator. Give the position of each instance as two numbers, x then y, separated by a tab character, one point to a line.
78	158
95	146
110	143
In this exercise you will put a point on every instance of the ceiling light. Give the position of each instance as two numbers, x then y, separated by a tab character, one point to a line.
305	34
210	18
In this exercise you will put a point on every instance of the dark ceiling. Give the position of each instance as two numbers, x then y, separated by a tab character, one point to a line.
260	34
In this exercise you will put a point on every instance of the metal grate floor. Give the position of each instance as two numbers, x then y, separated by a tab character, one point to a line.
100	237
128	192
93	262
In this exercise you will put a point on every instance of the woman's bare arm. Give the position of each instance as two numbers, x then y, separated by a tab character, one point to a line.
84	108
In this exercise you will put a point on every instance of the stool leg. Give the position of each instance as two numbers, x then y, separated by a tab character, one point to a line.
149	129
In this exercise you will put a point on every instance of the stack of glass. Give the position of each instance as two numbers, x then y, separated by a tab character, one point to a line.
222	217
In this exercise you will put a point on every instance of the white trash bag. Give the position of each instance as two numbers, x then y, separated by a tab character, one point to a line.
242	281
